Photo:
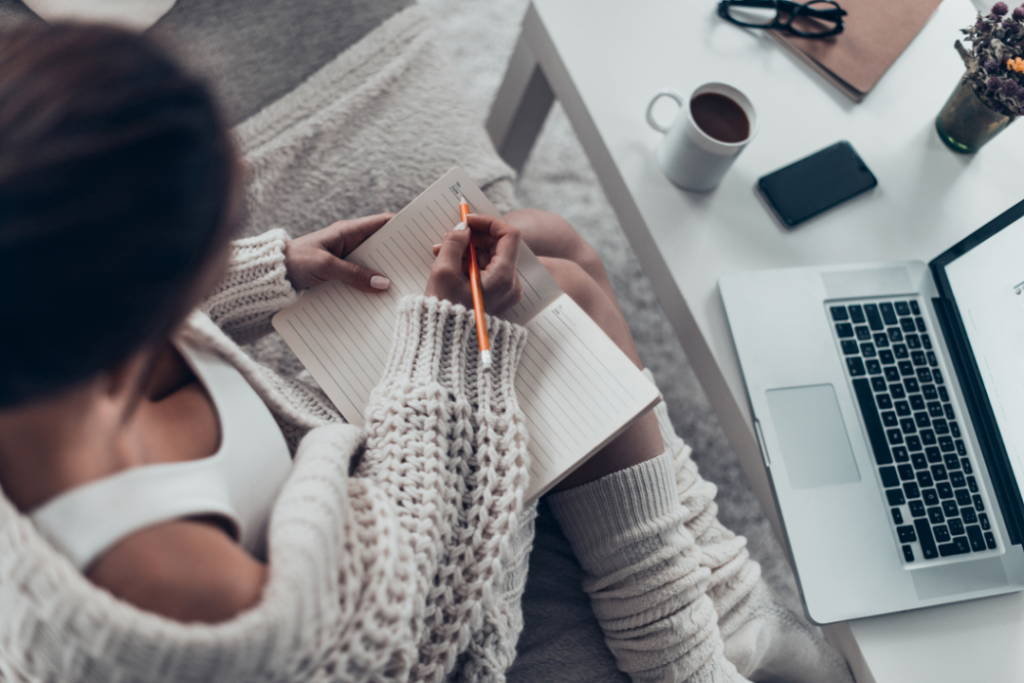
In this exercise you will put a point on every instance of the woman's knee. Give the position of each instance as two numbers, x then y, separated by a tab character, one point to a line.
548	234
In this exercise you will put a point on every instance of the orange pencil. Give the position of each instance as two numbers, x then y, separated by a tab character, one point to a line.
478	293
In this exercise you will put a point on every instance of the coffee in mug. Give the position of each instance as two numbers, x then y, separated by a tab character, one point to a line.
708	133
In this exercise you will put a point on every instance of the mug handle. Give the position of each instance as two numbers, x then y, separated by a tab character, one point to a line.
667	92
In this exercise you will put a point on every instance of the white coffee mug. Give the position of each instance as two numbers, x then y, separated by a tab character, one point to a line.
688	156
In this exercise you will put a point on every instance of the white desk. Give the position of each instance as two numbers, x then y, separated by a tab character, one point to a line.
604	61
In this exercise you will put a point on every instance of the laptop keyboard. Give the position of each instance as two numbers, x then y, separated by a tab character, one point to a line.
937	505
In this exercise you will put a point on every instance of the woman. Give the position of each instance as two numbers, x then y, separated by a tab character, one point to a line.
154	525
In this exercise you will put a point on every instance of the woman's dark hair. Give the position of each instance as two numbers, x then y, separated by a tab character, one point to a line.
116	176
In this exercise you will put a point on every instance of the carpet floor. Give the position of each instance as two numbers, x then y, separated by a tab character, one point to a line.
558	177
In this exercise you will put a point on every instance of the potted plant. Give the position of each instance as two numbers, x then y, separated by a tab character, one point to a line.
991	93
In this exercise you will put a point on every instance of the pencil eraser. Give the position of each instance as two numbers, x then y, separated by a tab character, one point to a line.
485	359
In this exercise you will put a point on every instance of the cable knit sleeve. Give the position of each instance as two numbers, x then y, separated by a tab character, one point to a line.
255	287
446	440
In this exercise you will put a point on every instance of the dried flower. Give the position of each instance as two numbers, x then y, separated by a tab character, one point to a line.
996	41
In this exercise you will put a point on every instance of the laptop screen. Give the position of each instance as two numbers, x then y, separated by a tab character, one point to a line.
987	283
981	310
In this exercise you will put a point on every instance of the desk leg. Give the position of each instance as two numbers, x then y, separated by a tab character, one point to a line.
520	107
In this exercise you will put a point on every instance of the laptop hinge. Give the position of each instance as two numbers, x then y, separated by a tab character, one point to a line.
992	448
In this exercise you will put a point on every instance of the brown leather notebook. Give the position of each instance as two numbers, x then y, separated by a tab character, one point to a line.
876	33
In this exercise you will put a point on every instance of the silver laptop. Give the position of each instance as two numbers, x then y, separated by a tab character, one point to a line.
888	402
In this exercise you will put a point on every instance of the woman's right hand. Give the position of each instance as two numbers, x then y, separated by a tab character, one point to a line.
497	249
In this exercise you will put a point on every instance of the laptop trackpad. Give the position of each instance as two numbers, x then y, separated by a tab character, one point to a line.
812	435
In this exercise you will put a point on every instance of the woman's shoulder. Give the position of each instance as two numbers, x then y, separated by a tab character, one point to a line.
186	570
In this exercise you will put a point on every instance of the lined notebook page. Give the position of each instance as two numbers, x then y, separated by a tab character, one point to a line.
577	389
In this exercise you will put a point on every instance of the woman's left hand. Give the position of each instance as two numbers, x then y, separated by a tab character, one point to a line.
317	257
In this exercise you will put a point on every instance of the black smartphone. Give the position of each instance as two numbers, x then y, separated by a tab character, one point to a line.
816	183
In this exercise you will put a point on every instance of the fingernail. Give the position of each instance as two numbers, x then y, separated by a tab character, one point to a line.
461	226
437	246
379	282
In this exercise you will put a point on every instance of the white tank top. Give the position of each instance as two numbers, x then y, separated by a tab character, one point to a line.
240	482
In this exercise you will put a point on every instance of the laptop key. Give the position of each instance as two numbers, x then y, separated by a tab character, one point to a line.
959	546
939	473
913	442
979	504
920	325
895	436
927	437
932	360
874	319
954	429
863	333
907	535
924	535
895	496
888	314
849	347
930	497
943	394
966	464
917	358
906	367
913	341
897	516
908	426
839	313
889	476
881	340
933	454
873	367
899	454
902	308
895	335
941	533
908	553
952	463
911	384
957	479
935	516
937	375
856	313
990	540
892	374
906	472
914	308
968	515
844	330
889	419
977	538
926	341
902	408
855	366
944	489
983	520
878	383
924	375
946	443
925	478
867	350
917	403
907	325
950	509
935	409
917	508
896	391
911	490
918	461
922	421
876	434
963	497
948	410
941	427
956	527
883	401
929	393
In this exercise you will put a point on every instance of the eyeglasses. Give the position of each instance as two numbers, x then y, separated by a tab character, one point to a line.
813	19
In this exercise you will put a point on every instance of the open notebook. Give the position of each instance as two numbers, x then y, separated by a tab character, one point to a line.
576	387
